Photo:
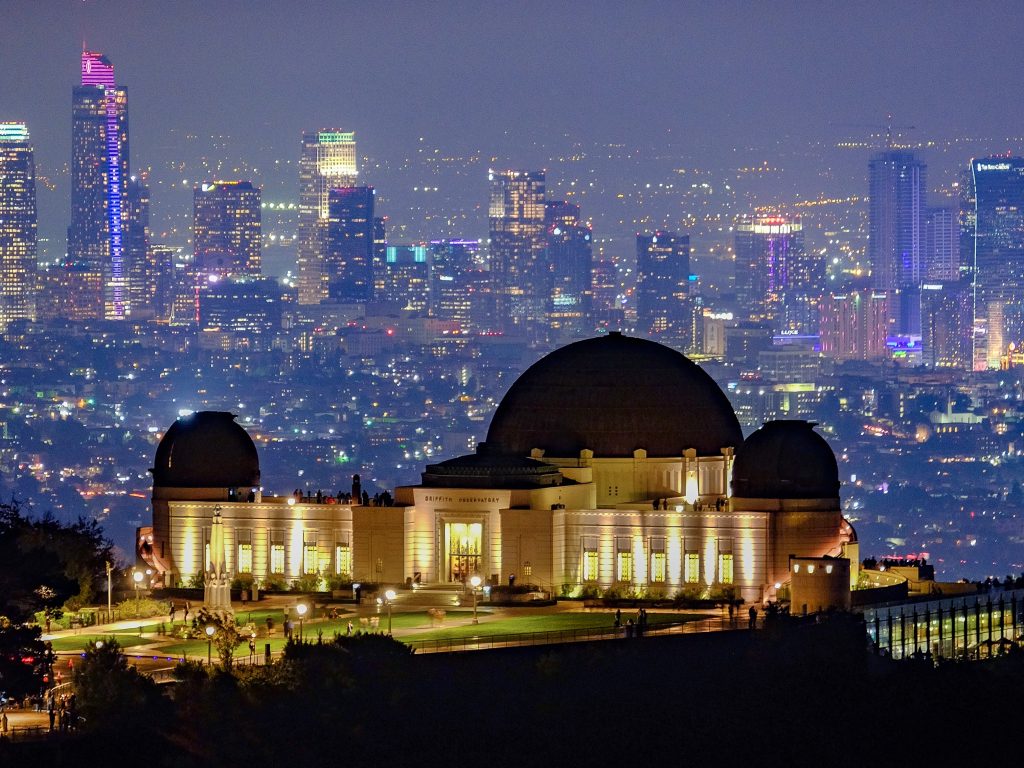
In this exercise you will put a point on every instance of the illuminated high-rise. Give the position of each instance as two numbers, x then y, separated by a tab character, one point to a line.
663	285
97	274
518	246
226	228
406	277
777	281
17	225
570	256
998	259
897	190
328	161
350	244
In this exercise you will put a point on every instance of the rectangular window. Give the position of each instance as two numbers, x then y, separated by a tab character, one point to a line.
725	574
310	562
659	563
244	552
725	561
691	568
623	560
277	551
591	561
343	559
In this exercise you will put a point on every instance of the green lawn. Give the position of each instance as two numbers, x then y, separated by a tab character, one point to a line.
79	642
545	623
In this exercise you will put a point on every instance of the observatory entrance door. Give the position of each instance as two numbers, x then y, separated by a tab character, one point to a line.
463	546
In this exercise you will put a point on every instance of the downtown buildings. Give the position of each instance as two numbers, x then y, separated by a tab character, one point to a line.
997	259
17	226
663	286
96	279
226	228
328	161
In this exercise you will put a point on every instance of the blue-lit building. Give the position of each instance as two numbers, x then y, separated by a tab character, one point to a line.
663	305
570	256
96	270
351	231
998	258
897	191
407	277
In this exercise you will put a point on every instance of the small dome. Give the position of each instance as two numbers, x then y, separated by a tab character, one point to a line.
206	450
614	394
785	459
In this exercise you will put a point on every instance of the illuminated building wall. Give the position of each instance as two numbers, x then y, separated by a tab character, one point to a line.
777	280
663	285
96	268
517	247
854	325
407	277
998	258
328	161
226	228
17	225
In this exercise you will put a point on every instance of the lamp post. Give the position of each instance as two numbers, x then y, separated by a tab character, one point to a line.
137	578
301	609
110	615
210	629
474	582
390	595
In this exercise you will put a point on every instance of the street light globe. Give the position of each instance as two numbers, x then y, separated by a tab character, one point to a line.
137	576
475	581
301	609
210	629
391	594
99	644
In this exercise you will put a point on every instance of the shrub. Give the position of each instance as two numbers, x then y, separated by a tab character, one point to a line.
144	608
275	582
243	581
308	582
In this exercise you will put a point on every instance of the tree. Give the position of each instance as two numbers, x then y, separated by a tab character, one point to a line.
110	693
55	561
226	636
24	659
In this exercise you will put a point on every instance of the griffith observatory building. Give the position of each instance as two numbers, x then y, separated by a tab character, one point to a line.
611	462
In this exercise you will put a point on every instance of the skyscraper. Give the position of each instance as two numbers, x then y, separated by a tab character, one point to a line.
97	275
226	228
350	244
17	225
521	277
136	247
328	161
854	325
941	245
407	277
459	290
663	285
998	269
897	192
777	281
570	256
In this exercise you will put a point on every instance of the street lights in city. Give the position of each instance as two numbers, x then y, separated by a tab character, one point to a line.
210	630
474	582
301	609
137	579
390	595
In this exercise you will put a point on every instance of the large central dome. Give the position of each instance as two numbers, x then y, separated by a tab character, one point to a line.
613	395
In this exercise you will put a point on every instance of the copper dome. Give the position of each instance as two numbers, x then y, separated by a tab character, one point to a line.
206	449
785	459
614	394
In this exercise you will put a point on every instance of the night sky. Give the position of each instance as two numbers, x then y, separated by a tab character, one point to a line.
511	80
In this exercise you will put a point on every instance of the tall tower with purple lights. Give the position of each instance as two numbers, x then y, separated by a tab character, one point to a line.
96	270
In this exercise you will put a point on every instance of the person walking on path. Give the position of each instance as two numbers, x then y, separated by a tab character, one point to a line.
3	724
753	617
